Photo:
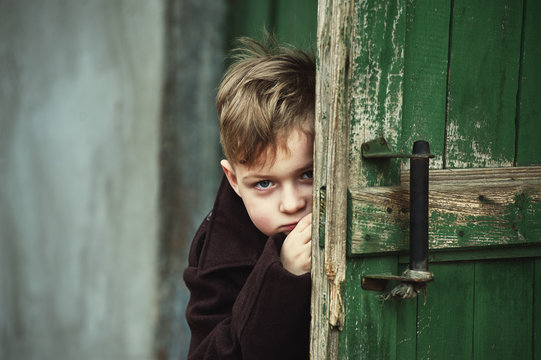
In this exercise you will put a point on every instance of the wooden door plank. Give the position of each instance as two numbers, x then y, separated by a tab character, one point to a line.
507	252
375	72
425	76
483	82
503	309
445	321
529	114
406	326
370	328
375	86
536	338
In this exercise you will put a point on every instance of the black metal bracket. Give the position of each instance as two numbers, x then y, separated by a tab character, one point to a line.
379	282
417	275
379	149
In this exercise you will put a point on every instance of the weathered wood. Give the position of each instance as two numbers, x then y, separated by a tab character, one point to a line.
460	93
330	164
425	84
370	327
528	114
319	326
493	253
375	86
483	82
337	159
467	208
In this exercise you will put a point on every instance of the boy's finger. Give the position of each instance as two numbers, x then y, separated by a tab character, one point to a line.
305	222
307	234
304	232
303	226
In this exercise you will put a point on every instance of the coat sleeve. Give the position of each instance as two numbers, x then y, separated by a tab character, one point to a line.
241	312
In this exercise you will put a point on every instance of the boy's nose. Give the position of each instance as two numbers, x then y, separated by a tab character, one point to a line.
291	201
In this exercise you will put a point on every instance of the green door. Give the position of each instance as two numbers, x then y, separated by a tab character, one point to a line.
463	75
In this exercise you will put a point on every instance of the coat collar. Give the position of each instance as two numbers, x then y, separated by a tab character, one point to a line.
231	238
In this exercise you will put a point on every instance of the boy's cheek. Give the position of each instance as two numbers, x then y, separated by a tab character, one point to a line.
262	222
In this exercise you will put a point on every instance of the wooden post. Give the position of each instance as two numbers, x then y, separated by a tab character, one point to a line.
332	134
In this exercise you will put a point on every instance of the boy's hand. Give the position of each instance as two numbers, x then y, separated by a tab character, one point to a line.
296	254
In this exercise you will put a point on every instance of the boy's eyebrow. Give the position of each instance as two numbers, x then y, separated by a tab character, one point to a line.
255	175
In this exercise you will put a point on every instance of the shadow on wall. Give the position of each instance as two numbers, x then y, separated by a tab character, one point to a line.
190	152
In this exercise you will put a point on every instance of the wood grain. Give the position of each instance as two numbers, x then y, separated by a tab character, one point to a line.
337	160
467	208
528	146
483	82
331	145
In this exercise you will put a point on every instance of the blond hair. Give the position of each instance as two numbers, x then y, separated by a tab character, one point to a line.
267	93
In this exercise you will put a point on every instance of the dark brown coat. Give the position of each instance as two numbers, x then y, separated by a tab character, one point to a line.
243	303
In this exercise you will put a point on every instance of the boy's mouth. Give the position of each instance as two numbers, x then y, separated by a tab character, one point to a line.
289	227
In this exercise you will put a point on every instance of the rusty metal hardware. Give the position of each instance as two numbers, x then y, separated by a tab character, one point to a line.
414	279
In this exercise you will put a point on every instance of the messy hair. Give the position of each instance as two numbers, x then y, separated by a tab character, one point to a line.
268	92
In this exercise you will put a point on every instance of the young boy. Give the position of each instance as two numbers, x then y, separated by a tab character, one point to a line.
249	265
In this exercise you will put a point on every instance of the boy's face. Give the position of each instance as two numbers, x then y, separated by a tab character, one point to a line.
276	195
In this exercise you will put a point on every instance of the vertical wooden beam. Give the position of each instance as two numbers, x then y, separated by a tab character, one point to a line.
332	138
375	110
337	159
319	328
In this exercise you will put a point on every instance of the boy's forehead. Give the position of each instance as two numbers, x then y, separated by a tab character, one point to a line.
264	160
281	151
281	148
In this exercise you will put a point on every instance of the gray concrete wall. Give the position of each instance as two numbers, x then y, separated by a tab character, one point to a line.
80	87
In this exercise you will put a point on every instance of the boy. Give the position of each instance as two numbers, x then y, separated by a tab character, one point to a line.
249	265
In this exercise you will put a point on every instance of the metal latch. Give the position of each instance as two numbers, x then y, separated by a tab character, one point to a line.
415	278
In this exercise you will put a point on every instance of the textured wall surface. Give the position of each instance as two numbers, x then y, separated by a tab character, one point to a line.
79	165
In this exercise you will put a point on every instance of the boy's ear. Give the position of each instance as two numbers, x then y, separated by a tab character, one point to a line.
230	175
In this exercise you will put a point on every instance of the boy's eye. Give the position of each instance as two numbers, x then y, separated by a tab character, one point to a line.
263	184
308	174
